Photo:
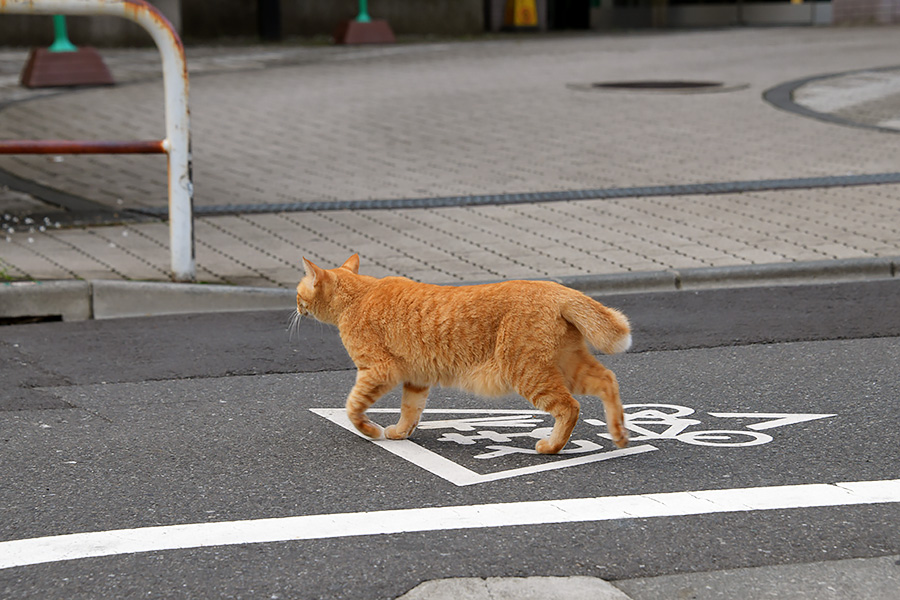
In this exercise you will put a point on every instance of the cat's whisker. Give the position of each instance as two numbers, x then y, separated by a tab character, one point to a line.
294	325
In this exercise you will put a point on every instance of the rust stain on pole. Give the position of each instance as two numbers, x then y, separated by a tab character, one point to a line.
137	7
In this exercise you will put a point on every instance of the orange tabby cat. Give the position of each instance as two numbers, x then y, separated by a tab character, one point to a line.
517	336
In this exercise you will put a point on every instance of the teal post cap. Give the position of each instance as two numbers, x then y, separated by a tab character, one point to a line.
363	16
61	42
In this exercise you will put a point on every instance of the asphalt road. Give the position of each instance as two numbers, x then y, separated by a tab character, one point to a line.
136	423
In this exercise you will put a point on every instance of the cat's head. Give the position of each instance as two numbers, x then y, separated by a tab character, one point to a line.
316	291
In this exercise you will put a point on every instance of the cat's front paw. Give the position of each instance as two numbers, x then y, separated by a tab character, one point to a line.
545	447
392	432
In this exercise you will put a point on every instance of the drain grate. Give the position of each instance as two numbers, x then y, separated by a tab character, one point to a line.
670	86
658	84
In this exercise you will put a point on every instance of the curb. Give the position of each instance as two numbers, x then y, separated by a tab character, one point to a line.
115	299
68	300
104	299
791	273
848	269
101	299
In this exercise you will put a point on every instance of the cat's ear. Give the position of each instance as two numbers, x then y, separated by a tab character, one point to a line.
352	264
312	271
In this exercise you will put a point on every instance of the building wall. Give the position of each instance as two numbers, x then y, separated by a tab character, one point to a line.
444	17
849	12
687	14
210	20
201	21
37	30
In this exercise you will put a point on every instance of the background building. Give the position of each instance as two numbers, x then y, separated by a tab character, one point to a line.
215	20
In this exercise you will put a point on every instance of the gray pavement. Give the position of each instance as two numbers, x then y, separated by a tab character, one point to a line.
300	125
115	426
312	126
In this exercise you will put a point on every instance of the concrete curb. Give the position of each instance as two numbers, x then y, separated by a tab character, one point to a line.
103	299
850	269
70	300
114	299
792	273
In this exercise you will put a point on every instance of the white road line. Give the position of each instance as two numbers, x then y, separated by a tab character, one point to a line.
17	553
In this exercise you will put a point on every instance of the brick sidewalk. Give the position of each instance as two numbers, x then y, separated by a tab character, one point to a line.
296	125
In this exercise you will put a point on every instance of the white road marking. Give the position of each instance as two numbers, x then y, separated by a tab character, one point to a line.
644	420
777	419
18	553
457	474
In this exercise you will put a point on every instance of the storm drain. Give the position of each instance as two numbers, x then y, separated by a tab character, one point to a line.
660	85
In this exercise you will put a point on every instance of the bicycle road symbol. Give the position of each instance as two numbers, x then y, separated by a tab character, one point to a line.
492	436
670	423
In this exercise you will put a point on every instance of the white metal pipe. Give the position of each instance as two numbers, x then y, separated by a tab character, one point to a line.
175	82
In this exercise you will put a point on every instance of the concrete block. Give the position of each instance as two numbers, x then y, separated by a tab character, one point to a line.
516	588
70	300
114	299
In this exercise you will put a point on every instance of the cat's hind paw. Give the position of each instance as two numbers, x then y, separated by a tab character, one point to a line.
619	435
370	429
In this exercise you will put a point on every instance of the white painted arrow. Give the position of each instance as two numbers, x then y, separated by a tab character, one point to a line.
777	419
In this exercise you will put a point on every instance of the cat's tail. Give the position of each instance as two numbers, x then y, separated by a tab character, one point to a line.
606	329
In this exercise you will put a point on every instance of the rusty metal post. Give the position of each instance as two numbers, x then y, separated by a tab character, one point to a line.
175	81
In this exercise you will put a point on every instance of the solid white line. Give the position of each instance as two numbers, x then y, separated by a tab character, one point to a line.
33	551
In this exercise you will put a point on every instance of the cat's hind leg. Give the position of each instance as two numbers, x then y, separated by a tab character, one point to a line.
369	387
411	406
585	375
548	392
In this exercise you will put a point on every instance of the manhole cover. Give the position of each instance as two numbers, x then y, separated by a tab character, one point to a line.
660	85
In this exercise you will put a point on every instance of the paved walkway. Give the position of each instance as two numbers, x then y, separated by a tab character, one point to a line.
282	136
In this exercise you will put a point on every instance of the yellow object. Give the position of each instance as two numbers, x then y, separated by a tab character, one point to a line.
520	13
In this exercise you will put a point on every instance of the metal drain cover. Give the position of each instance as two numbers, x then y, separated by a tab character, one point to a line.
676	86
657	84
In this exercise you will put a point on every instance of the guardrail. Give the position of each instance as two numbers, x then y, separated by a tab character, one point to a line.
177	144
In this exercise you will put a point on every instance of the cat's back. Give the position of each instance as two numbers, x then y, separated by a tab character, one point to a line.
415	306
458	336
